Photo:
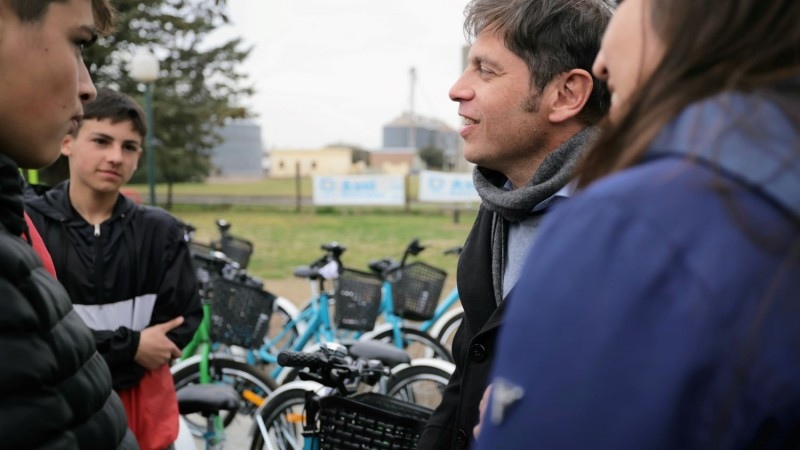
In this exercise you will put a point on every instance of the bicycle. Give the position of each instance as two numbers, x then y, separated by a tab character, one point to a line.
328	403
313	323
227	298
411	292
354	292
283	310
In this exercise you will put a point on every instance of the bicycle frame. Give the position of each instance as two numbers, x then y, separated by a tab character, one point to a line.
201	340
318	326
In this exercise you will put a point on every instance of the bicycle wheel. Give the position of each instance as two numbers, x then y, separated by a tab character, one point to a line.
253	385
417	343
422	383
283	417
445	330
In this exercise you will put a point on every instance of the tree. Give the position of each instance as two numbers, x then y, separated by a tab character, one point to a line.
200	84
433	157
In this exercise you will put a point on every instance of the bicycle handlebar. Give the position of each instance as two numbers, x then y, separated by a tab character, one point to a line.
302	360
454	250
414	248
332	366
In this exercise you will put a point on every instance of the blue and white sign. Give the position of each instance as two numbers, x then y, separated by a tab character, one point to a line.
446	187
359	190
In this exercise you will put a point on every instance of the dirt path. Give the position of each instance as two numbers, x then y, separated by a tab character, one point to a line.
295	289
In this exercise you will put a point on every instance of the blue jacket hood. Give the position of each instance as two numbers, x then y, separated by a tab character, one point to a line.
746	135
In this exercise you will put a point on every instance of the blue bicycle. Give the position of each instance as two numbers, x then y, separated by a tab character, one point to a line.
410	292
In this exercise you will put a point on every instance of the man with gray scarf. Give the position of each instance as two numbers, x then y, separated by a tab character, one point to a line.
528	101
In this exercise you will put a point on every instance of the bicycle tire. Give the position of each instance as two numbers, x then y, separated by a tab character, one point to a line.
283	419
446	331
251	383
417	343
422	383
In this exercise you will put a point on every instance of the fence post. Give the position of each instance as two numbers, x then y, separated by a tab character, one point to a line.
297	186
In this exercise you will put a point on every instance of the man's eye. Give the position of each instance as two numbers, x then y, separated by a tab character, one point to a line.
86	43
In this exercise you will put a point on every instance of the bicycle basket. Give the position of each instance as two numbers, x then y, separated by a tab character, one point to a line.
416	288
237	249
239	313
370	421
199	248
206	269
358	298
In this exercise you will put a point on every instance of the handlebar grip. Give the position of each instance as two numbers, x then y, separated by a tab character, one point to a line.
300	359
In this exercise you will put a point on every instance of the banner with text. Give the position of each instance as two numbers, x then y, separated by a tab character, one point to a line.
446	187
359	190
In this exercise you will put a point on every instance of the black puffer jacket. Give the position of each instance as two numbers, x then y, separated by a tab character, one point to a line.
55	389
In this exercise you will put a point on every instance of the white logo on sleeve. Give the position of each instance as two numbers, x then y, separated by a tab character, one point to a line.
504	394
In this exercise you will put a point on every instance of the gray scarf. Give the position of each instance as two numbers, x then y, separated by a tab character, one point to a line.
513	206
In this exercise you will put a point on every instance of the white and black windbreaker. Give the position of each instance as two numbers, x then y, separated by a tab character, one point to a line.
132	271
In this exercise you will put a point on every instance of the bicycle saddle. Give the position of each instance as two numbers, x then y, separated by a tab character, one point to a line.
388	354
207	399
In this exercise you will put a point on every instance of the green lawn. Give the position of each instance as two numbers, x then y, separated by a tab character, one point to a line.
285	239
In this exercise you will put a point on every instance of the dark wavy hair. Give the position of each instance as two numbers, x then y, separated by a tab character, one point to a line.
116	107
34	11
710	47
551	36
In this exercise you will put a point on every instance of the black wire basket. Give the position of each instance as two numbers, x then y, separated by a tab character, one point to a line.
199	248
358	300
237	249
416	288
370	421
239	313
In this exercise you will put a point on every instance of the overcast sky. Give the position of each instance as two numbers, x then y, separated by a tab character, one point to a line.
337	70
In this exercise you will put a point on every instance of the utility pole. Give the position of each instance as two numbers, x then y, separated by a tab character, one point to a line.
412	127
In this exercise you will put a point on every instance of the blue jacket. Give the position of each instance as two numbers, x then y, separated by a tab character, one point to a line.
662	307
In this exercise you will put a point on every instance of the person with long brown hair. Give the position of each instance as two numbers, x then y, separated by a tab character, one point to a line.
680	330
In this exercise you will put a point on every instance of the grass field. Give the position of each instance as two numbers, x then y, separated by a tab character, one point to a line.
278	187
284	239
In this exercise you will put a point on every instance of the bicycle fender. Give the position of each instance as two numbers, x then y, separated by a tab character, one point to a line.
436	329
306	385
375	331
195	359
430	362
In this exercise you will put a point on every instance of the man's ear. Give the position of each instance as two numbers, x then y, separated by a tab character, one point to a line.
570	92
66	145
